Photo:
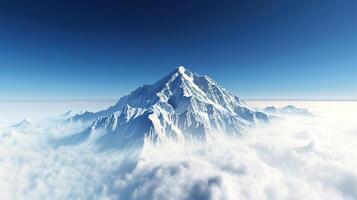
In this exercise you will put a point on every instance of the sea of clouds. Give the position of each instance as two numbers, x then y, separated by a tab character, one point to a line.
293	157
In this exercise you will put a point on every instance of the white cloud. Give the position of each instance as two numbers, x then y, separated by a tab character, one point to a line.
293	158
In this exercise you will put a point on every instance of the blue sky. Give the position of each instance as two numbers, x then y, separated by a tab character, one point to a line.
104	49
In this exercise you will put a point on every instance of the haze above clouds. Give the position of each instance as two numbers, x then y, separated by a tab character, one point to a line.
295	157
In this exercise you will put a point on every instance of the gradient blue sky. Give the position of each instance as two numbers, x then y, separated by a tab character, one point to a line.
104	49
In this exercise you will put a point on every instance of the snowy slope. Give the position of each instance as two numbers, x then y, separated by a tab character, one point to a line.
179	106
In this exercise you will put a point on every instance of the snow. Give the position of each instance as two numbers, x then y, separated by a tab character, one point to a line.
181	69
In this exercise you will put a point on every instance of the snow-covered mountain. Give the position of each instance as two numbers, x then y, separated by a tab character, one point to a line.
179	106
289	109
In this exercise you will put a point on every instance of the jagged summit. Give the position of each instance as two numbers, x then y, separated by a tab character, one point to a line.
181	69
180	105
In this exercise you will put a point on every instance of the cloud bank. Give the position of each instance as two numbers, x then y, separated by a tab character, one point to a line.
297	157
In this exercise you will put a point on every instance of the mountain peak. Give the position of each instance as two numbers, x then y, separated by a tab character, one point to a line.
181	69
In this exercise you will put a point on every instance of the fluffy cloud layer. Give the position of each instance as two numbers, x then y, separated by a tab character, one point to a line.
296	157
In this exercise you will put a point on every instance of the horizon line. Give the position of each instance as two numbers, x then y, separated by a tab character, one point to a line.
109	99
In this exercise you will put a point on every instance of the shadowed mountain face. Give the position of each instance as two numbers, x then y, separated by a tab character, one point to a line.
182	105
